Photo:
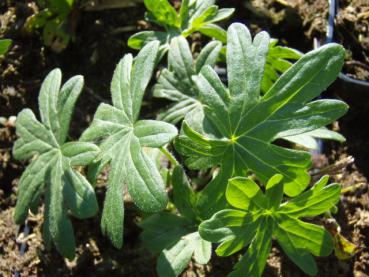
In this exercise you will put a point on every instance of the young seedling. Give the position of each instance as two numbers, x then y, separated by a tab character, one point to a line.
176	237
258	217
237	125
121	137
53	161
193	16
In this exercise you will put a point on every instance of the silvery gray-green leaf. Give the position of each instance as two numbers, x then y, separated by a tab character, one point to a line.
176	83
51	170
121	136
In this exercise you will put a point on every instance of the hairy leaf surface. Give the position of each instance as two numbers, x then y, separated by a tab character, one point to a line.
121	137
53	162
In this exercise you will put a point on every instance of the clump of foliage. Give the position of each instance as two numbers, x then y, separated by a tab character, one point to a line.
57	21
52	170
258	217
228	131
193	16
237	126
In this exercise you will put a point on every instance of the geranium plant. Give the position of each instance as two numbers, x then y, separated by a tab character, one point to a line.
257	189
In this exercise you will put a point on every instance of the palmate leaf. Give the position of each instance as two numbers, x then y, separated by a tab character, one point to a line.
176	83
259	217
237	126
193	16
174	236
53	163
121	137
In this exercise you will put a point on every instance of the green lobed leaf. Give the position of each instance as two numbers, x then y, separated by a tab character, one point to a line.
52	164
121	137
256	225
246	123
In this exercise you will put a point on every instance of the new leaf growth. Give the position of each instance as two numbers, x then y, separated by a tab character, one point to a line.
259	216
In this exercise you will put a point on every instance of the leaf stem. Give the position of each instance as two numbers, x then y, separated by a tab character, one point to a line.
170	156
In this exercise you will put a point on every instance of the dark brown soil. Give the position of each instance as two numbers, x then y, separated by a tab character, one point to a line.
100	43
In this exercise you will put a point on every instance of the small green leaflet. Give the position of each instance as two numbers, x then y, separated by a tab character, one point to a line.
121	137
4	45
237	126
52	164
258	217
193	16
174	236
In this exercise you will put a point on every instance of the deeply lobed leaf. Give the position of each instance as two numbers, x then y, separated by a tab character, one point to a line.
53	164
121	137
238	125
263	216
